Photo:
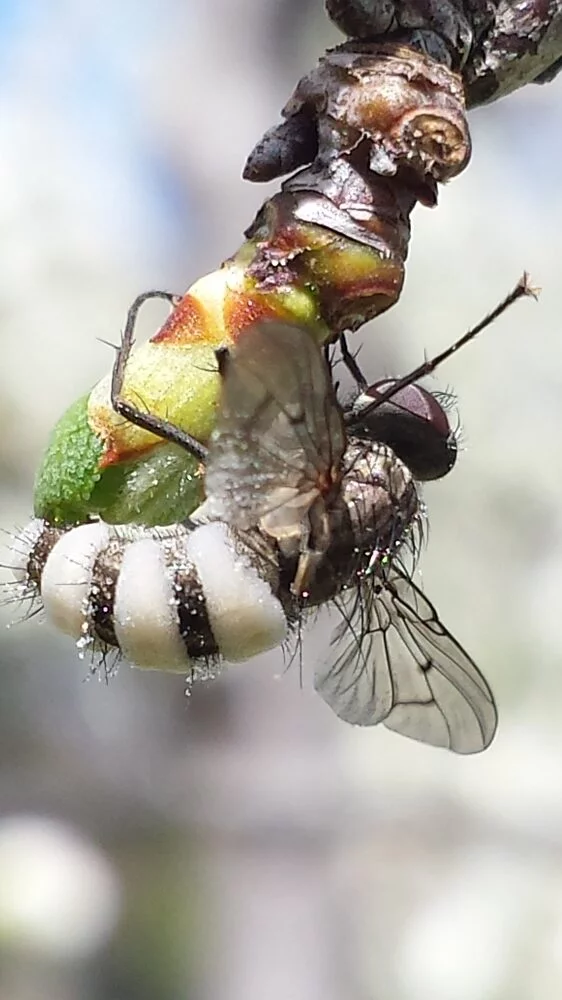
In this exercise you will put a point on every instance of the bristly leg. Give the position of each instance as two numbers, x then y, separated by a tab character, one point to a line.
522	289
222	355
156	425
350	361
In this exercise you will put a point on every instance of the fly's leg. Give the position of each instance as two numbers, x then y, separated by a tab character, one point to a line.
156	425
306	571
523	288
315	540
350	363
222	354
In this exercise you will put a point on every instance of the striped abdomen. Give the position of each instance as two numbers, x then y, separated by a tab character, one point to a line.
164	597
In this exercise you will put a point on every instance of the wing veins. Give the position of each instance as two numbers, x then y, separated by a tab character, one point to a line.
429	663
440	678
480	683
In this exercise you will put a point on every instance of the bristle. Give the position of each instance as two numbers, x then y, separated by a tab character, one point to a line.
22	548
66	576
104	663
21	591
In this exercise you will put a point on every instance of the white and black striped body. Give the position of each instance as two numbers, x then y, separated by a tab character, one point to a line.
170	598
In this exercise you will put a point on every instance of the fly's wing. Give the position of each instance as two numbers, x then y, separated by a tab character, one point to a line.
279	432
401	666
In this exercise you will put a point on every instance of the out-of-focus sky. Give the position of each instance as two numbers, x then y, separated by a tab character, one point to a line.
245	843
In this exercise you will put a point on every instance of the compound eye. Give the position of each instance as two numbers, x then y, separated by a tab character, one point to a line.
413	423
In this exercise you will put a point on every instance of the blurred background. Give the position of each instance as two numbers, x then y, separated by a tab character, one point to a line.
244	843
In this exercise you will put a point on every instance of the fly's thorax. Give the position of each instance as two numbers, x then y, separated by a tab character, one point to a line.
375	510
166	598
380	494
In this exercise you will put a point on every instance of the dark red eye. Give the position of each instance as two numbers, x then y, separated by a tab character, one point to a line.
413	423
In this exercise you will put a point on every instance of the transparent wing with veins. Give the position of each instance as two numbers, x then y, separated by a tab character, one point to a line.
279	439
399	665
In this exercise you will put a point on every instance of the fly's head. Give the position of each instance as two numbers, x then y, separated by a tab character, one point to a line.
413	421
